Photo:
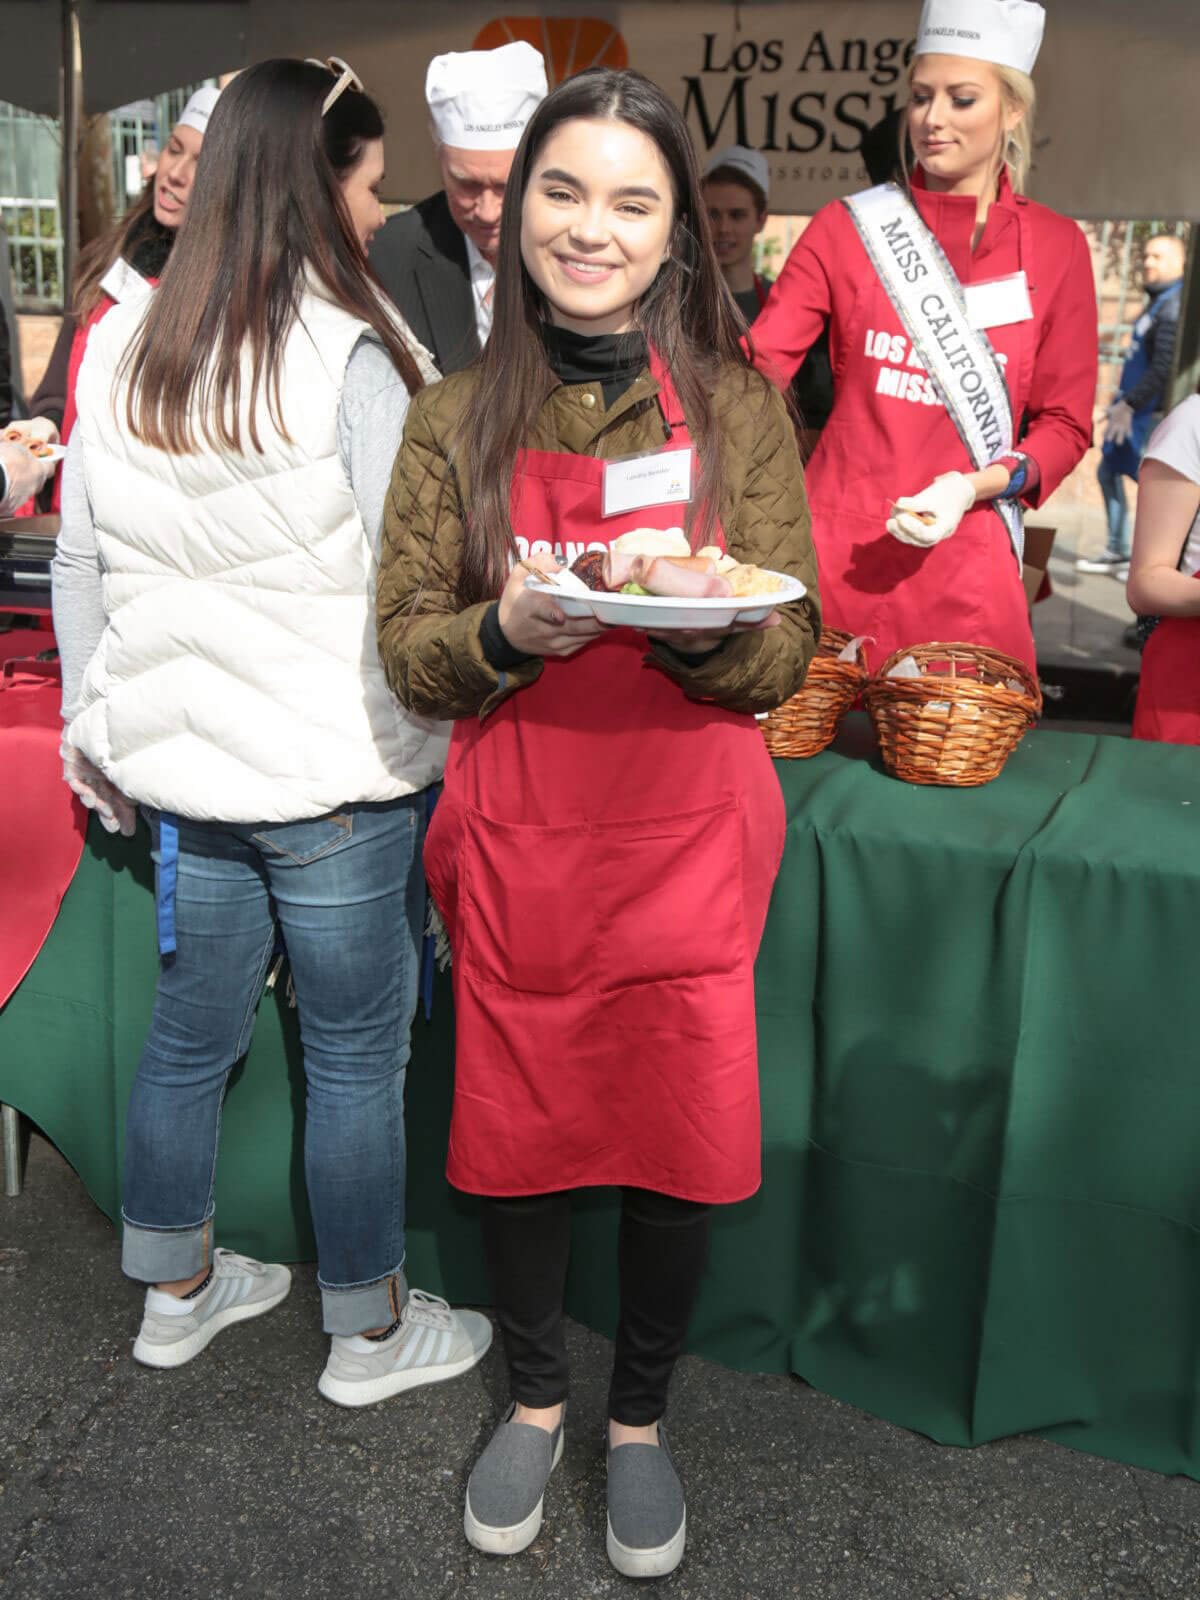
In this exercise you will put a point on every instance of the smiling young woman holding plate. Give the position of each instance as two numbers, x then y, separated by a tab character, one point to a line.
611	824
962	326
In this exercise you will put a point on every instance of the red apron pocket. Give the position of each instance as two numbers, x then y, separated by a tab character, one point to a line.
669	899
532	896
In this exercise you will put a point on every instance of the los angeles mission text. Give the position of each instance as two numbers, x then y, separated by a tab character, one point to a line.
745	93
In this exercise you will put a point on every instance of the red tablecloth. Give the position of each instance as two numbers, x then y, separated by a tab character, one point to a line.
42	824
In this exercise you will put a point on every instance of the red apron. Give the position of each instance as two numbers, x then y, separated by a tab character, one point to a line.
74	362
1168	702
602	856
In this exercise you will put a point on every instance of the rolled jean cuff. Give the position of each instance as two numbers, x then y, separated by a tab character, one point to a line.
364	1305
165	1255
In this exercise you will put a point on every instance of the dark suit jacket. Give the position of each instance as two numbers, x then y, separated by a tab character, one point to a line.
420	257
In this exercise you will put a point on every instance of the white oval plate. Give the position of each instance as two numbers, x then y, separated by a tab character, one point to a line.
656	613
50	452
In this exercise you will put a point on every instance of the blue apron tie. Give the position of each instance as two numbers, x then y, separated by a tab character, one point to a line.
168	876
429	945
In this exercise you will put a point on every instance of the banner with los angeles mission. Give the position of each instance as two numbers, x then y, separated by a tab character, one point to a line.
1118	117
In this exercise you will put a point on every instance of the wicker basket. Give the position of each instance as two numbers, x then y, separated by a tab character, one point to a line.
807	722
958	722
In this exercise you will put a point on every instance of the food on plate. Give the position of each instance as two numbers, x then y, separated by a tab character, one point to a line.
652	542
659	561
590	568
744	578
625	572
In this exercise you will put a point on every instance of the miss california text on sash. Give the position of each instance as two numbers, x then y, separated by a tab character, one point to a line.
938	299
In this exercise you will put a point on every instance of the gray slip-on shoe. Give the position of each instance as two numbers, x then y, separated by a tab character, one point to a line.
647	1520
507	1485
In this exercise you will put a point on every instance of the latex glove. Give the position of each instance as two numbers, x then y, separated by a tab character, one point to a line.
1119	422
116	812
933	515
32	430
26	473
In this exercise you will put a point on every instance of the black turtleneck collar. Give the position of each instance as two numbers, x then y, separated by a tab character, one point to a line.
612	360
150	246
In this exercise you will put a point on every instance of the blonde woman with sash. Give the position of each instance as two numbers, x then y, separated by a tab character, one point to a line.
962	320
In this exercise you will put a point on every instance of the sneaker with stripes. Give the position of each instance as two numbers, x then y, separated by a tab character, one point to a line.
431	1344
174	1330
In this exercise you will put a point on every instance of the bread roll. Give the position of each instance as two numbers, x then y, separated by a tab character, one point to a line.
652	542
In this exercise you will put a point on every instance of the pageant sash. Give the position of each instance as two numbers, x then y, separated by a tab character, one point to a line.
928	298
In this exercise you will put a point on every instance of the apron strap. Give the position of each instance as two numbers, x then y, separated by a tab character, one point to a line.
668	399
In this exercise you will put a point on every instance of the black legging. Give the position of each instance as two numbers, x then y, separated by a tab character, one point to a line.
663	1248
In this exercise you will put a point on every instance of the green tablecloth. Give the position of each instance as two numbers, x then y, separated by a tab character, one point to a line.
981	1101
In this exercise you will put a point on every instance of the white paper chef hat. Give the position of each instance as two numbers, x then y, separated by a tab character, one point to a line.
198	109
752	162
1007	33
482	99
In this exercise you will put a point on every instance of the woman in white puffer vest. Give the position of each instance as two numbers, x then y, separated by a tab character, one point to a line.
222	504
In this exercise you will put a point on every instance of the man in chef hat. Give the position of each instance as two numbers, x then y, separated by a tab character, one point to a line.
437	260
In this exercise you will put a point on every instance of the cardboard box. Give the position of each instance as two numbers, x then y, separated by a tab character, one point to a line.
1038	543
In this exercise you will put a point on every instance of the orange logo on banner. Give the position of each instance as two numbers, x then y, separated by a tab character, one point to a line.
568	44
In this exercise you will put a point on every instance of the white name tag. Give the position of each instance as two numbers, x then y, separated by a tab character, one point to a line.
998	301
125	284
661	479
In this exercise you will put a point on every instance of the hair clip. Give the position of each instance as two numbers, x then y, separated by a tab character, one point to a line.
346	78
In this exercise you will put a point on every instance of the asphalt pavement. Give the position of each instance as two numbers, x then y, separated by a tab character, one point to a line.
232	1477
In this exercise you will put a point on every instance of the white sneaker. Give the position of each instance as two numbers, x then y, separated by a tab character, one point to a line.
431	1344
174	1330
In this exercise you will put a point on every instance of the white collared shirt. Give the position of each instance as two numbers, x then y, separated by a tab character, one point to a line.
483	278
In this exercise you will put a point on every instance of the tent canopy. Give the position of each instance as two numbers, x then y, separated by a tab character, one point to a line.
1117	126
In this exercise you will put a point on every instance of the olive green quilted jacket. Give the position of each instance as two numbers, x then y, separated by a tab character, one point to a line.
431	649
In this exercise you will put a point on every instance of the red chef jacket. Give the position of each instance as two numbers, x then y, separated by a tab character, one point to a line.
889	434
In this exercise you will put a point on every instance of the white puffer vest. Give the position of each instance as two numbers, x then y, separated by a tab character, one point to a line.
238	678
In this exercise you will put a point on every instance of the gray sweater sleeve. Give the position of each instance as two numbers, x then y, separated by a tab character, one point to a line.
79	618
369	428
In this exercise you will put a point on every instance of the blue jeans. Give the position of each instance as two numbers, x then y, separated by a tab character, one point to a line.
1116	509
348	893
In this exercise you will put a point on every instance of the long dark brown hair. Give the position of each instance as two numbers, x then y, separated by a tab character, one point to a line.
687	315
266	213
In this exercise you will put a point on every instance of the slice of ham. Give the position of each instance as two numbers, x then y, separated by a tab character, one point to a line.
684	577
